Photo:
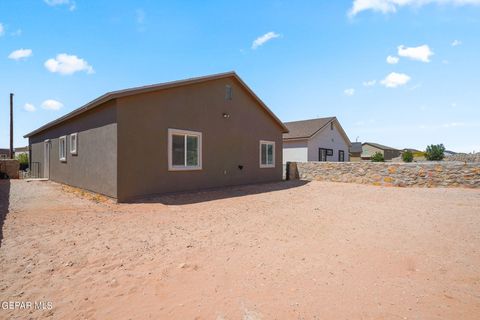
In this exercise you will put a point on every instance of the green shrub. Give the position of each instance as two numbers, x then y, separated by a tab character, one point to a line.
407	156
435	152
22	158
377	157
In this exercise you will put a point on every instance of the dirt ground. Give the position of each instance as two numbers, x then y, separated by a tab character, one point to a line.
289	250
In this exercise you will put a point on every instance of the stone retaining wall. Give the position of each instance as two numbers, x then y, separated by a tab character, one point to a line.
431	174
10	167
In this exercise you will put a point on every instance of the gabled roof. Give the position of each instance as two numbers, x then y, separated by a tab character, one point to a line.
379	146
356	147
305	128
150	88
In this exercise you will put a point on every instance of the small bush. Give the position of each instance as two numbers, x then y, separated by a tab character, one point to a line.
407	156
435	152
22	160
378	157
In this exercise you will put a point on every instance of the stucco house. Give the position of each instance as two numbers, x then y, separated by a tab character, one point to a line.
356	152
202	132
370	148
321	139
4	153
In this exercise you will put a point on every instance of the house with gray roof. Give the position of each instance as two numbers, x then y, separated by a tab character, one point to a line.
321	139
204	132
370	148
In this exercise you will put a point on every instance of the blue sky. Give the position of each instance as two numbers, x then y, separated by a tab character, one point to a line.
305	59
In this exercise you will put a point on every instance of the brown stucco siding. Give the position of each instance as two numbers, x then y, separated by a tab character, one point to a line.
95	165
143	123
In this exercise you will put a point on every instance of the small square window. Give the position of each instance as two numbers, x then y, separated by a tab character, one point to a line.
228	92
267	154
73	143
62	148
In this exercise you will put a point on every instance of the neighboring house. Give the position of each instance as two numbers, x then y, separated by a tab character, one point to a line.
21	150
356	152
320	139
4	153
200	133
411	150
370	148
449	153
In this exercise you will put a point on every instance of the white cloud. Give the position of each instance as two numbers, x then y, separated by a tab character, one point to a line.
68	64
264	39
2	30
453	124
70	3
29	107
420	53
456	43
51	104
140	18
392	60
349	92
20	54
369	83
394	80
16	33
415	87
391	6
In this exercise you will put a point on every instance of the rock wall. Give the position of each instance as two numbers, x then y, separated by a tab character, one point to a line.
10	168
464	157
431	174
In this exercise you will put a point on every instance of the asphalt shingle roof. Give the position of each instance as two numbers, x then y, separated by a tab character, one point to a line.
305	128
380	146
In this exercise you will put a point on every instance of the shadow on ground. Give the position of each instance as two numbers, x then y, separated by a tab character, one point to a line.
4	203
191	197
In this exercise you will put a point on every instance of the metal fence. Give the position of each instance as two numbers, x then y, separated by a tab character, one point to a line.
31	172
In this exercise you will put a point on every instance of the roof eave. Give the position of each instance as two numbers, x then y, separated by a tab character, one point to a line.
144	89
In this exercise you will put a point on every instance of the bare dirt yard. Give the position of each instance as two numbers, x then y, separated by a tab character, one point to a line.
289	250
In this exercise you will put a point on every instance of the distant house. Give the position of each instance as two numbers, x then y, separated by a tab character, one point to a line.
204	132
370	148
22	150
356	152
4	153
411	150
320	139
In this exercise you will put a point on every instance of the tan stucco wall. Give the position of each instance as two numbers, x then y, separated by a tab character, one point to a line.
95	165
143	122
368	150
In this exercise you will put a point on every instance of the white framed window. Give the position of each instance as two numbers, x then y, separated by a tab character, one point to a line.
267	154
184	150
73	143
62	148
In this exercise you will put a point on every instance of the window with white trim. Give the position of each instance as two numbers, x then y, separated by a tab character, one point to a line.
184	150
62	148
267	154
73	143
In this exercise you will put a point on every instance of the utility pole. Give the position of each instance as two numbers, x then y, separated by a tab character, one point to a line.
11	125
